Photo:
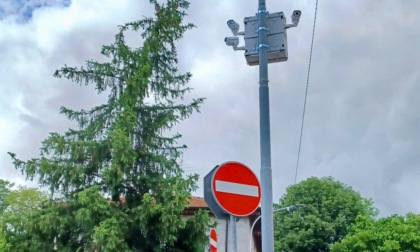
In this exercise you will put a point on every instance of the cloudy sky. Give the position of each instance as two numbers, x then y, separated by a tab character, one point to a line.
363	118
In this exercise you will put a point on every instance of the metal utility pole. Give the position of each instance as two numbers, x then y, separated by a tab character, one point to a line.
265	42
267	229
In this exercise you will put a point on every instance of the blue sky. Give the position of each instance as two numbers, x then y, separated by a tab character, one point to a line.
363	113
22	10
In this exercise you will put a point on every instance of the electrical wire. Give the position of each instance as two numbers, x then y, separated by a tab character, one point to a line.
306	93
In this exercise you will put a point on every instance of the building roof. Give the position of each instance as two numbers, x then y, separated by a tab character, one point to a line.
196	202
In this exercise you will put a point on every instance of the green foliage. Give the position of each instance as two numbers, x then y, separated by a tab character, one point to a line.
115	182
331	208
4	246
4	191
193	232
390	234
19	217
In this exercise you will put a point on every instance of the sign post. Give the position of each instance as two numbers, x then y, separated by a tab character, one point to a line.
236	189
213	240
232	190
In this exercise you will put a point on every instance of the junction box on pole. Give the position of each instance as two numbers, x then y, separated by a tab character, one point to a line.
276	38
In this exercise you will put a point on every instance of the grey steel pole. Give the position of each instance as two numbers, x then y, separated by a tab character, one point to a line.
267	230
232	234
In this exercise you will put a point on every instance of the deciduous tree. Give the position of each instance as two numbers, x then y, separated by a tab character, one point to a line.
4	191
22	208
5	187
331	207
389	234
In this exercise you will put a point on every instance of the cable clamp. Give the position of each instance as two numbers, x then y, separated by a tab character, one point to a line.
263	45
263	28
264	82
262	12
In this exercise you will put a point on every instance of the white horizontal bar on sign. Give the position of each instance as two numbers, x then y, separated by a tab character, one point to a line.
236	188
213	243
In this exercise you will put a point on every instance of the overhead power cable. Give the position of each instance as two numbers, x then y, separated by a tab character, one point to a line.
306	94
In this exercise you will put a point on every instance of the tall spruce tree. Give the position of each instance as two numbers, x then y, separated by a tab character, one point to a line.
115	181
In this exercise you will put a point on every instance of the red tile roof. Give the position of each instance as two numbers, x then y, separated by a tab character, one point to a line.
196	202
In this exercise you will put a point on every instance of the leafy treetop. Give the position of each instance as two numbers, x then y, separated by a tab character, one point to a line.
331	207
389	234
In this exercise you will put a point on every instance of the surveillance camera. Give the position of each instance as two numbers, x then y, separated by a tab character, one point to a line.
295	19
296	16
233	26
232	41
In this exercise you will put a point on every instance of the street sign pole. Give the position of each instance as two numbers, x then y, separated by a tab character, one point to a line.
232	190
213	240
267	230
232	234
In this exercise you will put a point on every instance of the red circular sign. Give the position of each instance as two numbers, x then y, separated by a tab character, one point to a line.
213	240
236	189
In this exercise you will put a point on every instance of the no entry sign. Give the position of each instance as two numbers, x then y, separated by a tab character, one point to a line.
236	189
213	240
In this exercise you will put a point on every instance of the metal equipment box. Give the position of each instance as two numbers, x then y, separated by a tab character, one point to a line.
277	39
